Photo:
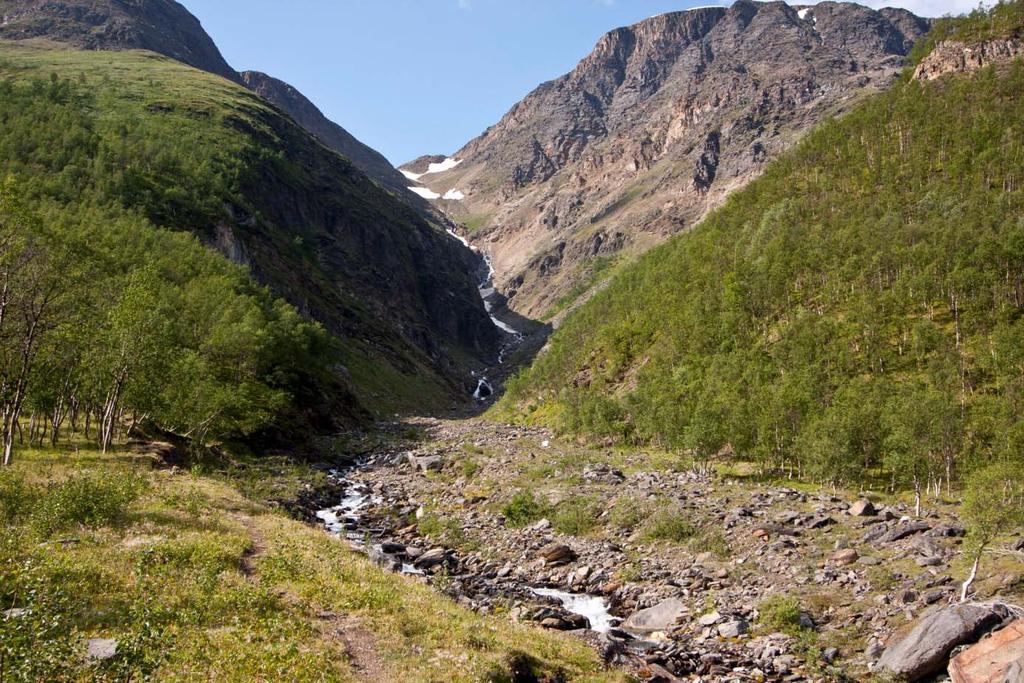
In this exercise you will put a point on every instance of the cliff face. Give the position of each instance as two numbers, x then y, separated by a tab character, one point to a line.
655	127
161	26
957	57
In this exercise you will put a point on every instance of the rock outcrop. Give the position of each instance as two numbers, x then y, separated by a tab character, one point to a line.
654	128
953	56
925	650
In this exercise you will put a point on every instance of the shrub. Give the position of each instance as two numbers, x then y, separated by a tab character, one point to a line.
523	509
669	525
629	513
469	468
17	498
87	499
780	613
576	517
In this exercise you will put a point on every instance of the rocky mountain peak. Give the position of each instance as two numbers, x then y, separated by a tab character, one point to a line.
655	127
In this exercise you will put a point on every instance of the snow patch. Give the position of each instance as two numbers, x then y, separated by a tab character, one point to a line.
424	192
803	13
445	165
454	194
411	176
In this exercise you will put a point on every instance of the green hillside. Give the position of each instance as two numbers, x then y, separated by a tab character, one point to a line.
111	157
856	311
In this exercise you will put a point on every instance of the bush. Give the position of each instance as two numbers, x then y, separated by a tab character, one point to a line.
780	613
87	499
629	513
669	525
17	498
576	517
523	509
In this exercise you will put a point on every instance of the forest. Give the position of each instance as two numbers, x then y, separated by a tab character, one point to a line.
108	322
855	315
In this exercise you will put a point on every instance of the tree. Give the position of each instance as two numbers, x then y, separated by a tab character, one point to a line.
993	505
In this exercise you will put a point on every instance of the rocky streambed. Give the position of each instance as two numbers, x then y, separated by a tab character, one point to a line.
762	582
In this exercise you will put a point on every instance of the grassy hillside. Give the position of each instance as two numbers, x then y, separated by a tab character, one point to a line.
858	310
197	582
130	136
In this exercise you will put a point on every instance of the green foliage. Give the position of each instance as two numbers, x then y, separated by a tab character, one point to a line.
857	311
669	524
780	613
89	499
577	516
629	513
524	509
993	504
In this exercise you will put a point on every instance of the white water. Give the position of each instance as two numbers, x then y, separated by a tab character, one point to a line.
340	518
592	607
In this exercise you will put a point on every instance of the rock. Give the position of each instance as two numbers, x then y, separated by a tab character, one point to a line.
557	553
990	660
431	558
926	649
844	556
733	628
100	649
710	619
541	525
928	561
661	617
392	548
14	613
830	654
903	530
874	651
819	522
427	463
862	508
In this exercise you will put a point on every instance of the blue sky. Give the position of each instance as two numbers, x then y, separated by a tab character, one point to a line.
412	77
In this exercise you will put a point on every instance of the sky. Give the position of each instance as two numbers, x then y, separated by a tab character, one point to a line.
414	77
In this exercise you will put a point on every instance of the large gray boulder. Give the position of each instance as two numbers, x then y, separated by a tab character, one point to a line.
925	651
661	617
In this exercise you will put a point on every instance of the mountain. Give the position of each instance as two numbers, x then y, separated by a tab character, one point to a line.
167	28
161	26
191	151
856	312
655	127
306	114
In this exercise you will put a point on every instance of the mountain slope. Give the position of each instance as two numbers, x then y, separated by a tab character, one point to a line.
295	104
191	151
161	26
168	28
859	306
657	125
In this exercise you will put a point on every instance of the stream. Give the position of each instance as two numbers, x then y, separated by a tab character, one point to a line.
347	521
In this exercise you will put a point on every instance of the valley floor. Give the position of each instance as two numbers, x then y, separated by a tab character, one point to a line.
164	574
774	580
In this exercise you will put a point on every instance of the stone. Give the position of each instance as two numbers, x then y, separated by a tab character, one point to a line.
431	558
989	660
862	508
925	650
733	628
928	561
660	617
844	556
15	613
1014	672
903	530
427	463
557	553
710	619
100	649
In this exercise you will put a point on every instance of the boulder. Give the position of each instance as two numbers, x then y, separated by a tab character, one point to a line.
862	508
427	463
431	558
1015	672
661	617
733	628
926	649
557	553
990	660
903	530
100	649
844	556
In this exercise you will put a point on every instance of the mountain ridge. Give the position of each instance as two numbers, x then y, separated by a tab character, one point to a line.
656	126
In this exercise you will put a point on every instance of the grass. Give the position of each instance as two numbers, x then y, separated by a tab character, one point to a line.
197	581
